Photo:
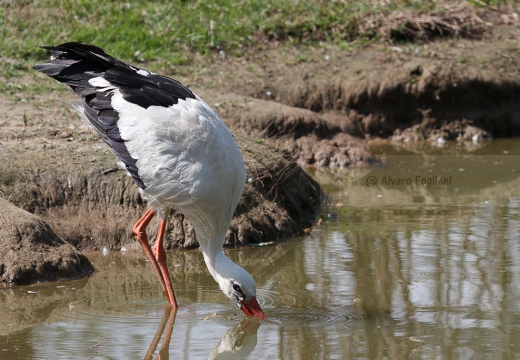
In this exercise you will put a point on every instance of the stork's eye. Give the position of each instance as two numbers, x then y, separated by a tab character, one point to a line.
237	288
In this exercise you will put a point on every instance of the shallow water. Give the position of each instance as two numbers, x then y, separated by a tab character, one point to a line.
396	270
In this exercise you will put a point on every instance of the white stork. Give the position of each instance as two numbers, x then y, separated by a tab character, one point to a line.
177	150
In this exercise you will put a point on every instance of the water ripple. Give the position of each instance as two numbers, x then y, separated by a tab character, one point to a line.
311	316
271	299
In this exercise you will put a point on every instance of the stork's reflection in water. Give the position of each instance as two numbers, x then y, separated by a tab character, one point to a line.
237	343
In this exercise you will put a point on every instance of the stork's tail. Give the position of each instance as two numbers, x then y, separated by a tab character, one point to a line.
74	64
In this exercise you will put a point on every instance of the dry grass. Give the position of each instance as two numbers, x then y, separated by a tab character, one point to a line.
458	20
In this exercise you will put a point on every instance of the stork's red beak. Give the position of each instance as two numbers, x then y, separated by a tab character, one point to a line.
251	308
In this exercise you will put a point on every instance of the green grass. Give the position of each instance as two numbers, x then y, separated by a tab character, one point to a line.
174	30
172	33
170	30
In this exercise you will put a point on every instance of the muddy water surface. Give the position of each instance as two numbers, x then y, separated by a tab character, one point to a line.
400	267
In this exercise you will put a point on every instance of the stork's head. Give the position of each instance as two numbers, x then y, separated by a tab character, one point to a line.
239	286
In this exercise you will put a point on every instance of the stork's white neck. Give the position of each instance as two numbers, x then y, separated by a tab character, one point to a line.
211	233
225	272
219	265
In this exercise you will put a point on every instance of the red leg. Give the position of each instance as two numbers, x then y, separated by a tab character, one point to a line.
142	238
160	256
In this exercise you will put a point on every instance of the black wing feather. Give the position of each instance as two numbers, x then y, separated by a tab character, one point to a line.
75	64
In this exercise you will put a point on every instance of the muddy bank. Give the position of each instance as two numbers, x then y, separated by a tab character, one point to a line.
30	251
411	98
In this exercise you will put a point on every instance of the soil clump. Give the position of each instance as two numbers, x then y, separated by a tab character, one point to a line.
30	250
